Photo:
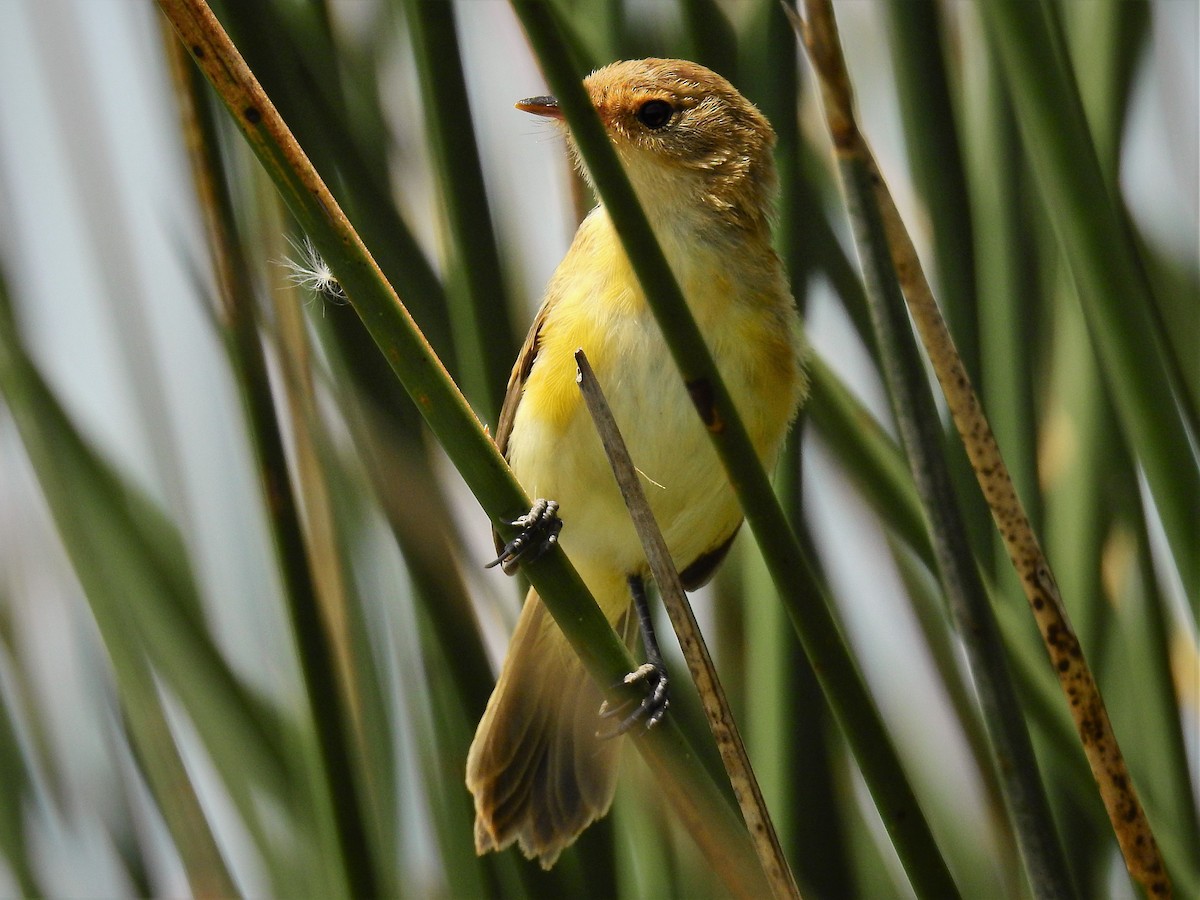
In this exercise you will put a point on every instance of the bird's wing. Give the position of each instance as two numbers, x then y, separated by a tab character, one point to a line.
520	374
516	387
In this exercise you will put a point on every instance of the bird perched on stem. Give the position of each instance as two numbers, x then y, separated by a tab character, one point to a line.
699	157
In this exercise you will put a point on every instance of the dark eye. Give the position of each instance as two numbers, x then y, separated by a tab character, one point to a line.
654	114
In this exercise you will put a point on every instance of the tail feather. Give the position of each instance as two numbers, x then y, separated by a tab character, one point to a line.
538	773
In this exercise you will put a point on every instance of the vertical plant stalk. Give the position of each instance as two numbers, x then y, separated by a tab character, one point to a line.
931	138
936	160
341	615
16	783
317	646
691	641
305	74
710	34
1006	266
1136	840
478	309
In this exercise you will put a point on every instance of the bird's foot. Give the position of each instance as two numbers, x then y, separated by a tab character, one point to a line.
539	532
652	707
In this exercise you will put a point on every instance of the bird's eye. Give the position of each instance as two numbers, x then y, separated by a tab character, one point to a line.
654	114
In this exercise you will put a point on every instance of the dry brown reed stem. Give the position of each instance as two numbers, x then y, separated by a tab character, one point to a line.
691	641
1129	822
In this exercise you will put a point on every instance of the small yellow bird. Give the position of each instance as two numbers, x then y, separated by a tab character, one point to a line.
699	157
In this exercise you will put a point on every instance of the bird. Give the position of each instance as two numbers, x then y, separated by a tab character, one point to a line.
699	157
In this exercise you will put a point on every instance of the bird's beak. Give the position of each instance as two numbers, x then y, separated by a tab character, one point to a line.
541	106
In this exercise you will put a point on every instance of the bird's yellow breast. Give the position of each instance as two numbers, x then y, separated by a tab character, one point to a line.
595	302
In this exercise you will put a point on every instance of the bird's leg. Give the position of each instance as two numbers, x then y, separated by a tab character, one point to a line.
539	532
652	673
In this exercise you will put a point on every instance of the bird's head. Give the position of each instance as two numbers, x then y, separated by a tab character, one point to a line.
689	141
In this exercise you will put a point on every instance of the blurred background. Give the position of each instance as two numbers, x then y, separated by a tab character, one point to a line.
156	733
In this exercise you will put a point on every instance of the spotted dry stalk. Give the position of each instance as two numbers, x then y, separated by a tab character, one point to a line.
1132	829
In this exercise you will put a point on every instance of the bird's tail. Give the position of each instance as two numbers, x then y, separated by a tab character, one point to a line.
537	771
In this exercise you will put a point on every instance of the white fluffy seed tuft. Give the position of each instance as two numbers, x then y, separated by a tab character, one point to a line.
311	273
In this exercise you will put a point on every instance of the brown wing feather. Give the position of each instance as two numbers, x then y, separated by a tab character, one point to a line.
516	387
516	380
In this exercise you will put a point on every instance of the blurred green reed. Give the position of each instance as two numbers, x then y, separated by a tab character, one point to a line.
353	786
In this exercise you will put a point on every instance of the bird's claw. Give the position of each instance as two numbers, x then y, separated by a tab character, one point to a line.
539	532
652	707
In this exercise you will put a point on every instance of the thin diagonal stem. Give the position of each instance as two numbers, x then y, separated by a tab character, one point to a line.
691	641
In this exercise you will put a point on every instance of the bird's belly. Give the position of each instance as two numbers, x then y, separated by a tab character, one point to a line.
560	457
